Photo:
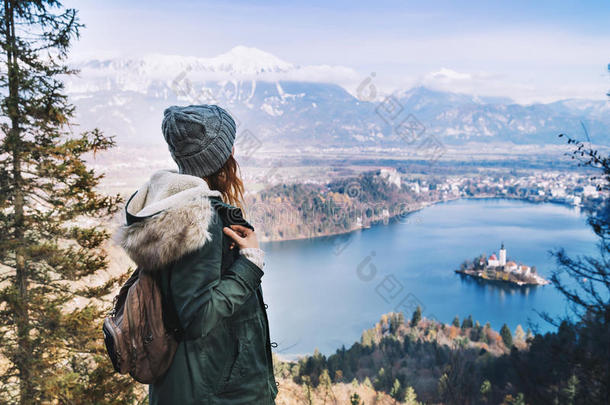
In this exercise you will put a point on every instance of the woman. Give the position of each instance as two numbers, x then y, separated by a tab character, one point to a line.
175	226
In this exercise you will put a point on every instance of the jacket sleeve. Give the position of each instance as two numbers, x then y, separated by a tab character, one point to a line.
255	255
202	296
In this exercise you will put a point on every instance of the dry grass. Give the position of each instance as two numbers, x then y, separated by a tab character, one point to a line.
291	393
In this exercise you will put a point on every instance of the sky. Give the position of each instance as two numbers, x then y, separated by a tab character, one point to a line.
527	50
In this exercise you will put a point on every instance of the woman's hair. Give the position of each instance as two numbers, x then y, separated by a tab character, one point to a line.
227	180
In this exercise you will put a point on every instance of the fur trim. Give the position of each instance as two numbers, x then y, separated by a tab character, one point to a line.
174	213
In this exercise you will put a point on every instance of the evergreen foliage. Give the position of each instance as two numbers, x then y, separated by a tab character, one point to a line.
507	337
416	316
52	351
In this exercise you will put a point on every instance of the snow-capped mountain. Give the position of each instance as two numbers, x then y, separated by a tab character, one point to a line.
240	63
287	104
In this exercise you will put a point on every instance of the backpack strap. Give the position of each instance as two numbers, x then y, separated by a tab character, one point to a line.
229	215
170	315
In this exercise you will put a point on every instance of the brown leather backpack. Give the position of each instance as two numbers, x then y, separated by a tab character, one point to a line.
142	331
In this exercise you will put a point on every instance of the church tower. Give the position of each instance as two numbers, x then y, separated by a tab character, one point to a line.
502	255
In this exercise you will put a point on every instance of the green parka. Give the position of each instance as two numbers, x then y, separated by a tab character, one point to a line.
225	357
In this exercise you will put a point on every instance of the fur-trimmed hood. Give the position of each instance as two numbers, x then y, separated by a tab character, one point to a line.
166	218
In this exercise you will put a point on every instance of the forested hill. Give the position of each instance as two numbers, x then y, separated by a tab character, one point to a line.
304	210
420	357
420	360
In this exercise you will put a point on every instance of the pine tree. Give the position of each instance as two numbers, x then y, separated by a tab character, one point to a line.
485	390
381	381
476	334
396	320
416	316
410	396
570	390
507	337
51	348
456	322
584	281
368	338
395	391
519	334
486	330
307	388
326	385
467	323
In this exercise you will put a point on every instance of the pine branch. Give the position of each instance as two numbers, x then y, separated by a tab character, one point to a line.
45	189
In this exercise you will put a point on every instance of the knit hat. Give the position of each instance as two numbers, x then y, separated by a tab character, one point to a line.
200	137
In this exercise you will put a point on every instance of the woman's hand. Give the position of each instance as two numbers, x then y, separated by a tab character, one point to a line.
243	237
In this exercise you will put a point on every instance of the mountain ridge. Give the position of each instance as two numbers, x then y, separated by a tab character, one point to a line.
277	102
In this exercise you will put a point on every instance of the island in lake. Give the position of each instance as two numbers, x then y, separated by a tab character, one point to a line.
493	268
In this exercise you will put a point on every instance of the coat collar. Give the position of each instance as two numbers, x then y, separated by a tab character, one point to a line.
166	218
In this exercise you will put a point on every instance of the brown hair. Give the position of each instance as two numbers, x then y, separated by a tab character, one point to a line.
228	181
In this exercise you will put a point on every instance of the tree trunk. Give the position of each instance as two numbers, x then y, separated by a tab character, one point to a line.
21	305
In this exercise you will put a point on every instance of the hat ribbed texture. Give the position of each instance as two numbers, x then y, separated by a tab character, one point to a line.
200	137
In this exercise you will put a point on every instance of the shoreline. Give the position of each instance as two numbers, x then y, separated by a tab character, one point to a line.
425	205
375	223
497	280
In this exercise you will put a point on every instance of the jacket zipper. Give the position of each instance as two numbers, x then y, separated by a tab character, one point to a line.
268	338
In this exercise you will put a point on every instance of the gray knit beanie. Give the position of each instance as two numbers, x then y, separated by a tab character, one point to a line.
200	137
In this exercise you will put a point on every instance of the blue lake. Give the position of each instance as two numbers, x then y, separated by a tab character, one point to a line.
322	293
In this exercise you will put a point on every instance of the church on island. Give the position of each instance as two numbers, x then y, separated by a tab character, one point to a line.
494	268
501	263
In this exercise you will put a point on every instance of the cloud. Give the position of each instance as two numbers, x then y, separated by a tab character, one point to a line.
475	83
448	75
239	63
501	85
525	85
